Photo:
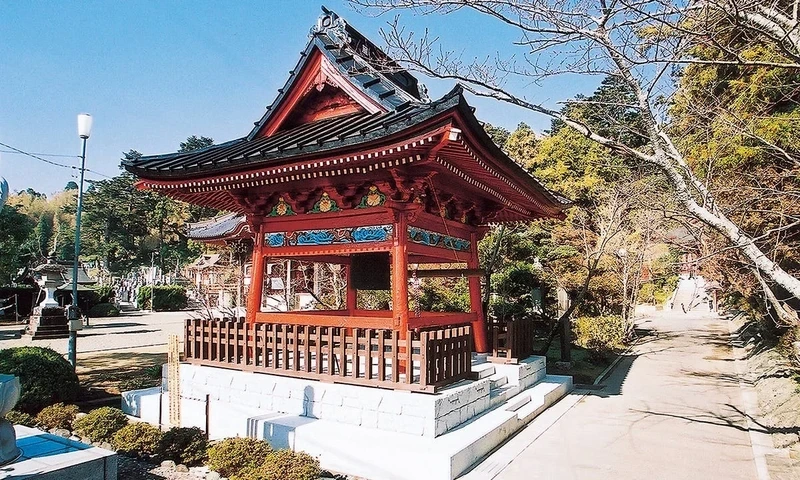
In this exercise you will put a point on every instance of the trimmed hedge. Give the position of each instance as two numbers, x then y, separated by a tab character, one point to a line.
20	418
45	376
101	424
137	439
186	445
169	298
103	310
231	456
282	465
57	416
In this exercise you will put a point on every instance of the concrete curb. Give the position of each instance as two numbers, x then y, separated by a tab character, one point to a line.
761	443
609	368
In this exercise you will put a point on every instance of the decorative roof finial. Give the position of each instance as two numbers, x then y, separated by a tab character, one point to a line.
333	25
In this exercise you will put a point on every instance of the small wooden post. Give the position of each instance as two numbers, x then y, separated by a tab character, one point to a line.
174	381
256	276
475	299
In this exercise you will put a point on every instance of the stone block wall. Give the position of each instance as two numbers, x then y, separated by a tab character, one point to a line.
234	398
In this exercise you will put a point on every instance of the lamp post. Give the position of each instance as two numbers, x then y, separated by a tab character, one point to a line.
623	254
84	130
153	281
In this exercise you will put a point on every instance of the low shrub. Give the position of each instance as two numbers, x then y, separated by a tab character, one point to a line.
101	424
20	418
45	376
283	465
57	416
600	335
186	445
103	310
169	298
137	439
231	456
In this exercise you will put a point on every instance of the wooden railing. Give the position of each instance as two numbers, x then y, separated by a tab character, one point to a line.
361	356
511	340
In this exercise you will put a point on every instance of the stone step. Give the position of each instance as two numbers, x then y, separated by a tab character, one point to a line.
497	381
127	307
384	455
501	395
483	370
514	404
541	396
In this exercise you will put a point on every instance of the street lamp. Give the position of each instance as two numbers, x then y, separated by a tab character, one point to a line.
622	254
153	280
84	131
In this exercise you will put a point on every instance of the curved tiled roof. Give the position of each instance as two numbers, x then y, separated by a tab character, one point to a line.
227	225
314	137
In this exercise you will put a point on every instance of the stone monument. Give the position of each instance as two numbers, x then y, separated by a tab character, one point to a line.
9	394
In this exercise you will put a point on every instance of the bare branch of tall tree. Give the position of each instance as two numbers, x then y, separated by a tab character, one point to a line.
631	40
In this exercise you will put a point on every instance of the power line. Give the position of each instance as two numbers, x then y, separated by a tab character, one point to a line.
43	154
72	167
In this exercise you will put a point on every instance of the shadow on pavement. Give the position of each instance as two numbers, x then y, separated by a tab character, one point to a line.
118	325
615	380
118	333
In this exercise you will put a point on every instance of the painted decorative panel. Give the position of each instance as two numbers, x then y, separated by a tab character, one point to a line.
281	209
433	239
330	236
373	198
325	204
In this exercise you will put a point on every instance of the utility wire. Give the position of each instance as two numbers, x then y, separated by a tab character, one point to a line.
72	167
43	154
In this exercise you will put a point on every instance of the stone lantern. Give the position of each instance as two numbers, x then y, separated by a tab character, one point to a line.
49	320
50	277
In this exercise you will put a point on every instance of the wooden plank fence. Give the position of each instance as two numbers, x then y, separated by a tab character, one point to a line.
426	361
512	340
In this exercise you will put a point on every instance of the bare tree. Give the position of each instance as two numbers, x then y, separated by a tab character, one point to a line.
641	42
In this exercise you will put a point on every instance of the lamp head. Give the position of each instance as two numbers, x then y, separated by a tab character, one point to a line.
84	125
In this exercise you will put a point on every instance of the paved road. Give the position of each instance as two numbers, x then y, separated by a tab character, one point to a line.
671	410
131	330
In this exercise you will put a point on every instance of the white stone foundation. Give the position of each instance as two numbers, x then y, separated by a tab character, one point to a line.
362	431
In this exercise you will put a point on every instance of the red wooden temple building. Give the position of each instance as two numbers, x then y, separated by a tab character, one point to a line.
353	165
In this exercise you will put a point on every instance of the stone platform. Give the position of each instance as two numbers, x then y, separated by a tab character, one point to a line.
368	432
48	322
50	457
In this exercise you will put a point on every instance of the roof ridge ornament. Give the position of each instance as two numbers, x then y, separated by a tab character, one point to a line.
332	25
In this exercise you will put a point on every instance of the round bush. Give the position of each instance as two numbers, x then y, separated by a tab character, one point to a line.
45	376
283	465
103	310
232	455
186	445
137	439
20	418
57	416
101	424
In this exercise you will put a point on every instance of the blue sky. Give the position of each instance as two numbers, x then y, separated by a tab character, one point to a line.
153	73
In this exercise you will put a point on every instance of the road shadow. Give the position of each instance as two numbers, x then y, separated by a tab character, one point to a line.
129	332
737	420
614	382
11	334
118	325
